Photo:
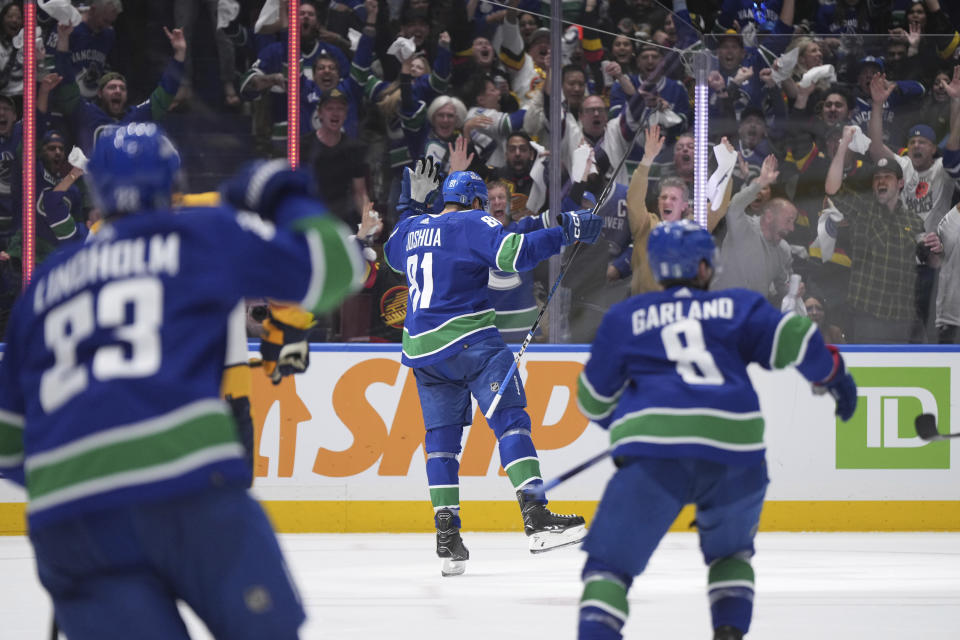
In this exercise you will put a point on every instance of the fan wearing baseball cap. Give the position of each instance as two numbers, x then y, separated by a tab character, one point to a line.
928	180
884	249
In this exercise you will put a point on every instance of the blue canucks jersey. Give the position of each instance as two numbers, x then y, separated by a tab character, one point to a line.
109	385
447	260
88	53
667	373
512	293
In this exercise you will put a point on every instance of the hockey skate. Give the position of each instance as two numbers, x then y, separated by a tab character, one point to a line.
450	545
548	530
726	632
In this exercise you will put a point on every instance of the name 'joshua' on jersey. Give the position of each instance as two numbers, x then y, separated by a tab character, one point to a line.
429	237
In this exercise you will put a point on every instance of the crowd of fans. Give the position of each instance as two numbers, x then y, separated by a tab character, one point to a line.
835	126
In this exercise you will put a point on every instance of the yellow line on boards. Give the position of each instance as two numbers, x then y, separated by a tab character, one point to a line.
411	516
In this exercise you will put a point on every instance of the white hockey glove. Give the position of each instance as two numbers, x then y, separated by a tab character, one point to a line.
424	179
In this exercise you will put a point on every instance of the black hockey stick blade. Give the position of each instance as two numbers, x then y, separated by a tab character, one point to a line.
926	425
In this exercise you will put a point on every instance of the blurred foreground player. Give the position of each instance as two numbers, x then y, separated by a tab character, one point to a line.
667	375
455	350
109	407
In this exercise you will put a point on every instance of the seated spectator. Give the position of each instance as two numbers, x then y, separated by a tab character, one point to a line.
885	236
832	334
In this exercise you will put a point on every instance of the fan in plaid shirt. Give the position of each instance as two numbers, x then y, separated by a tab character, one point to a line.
887	242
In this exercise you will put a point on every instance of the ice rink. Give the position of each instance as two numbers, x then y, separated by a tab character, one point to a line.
870	586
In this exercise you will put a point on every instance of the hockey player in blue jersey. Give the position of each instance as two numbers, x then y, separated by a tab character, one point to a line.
110	412
667	376
451	343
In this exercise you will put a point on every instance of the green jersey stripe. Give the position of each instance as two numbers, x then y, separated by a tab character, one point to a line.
595	405
208	407
448	496
12	419
743	434
133	477
430	342
336	268
731	569
11	444
144	450
523	470
519	319
607	595
790	340
508	252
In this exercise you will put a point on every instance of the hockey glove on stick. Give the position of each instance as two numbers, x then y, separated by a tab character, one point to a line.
840	385
261	186
284	347
580	226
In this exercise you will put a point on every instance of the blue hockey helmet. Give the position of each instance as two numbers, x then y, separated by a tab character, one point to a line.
133	168
463	186
676	248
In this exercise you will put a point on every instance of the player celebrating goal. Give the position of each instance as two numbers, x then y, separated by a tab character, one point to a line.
109	397
667	375
455	350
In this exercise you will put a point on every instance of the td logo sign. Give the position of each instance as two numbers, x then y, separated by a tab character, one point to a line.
881	434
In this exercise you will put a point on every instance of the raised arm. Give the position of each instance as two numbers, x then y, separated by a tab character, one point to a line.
835	173
880	90
953	90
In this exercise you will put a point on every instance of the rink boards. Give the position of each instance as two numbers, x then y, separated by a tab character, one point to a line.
340	447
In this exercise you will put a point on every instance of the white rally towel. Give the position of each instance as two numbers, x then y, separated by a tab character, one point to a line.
666	119
826	240
860	142
717	184
269	14
77	159
538	191
61	11
581	155
227	12
786	64
402	48
823	72
792	301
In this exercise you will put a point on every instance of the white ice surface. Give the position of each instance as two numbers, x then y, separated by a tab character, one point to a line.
870	586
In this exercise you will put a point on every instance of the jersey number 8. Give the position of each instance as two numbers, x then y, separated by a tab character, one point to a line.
683	343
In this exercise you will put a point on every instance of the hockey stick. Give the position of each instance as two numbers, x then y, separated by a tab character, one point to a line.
926	426
541	491
563	270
